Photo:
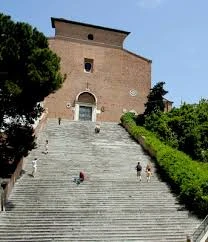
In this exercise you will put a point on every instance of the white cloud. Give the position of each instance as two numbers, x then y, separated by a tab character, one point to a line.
149	3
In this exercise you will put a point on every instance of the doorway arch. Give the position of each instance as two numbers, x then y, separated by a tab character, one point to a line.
85	107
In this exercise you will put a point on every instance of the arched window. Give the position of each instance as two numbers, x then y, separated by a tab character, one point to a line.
88	65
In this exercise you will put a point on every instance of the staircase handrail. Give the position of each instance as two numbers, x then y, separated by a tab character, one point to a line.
201	230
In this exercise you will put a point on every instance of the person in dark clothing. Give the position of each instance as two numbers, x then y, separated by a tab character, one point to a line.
97	128
139	171
59	120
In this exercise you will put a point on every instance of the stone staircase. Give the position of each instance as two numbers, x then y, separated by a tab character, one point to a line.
111	205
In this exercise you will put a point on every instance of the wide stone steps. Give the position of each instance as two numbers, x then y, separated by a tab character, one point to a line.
94	238
111	205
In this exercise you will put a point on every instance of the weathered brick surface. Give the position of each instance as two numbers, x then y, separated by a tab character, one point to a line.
115	72
79	32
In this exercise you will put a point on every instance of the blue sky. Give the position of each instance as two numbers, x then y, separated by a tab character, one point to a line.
172	33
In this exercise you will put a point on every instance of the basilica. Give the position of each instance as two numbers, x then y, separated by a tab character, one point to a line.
103	79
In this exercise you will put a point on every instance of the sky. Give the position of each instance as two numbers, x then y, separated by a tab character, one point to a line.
172	33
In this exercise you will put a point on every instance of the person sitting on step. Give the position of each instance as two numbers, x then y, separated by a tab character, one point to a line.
97	128
81	176
79	179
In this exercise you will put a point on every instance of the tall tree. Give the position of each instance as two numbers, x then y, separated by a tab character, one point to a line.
155	101
29	71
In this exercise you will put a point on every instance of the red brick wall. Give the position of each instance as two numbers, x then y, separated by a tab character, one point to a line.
115	73
79	32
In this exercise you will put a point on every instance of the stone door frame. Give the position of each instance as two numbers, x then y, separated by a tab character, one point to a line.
78	104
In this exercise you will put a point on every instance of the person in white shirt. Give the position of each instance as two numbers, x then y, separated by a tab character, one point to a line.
34	166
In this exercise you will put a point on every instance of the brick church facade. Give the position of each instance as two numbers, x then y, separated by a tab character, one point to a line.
103	80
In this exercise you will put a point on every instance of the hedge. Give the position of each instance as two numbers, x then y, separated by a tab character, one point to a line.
189	178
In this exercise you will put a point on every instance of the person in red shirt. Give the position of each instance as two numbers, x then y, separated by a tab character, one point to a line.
81	176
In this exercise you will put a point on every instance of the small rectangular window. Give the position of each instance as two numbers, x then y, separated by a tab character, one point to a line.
88	65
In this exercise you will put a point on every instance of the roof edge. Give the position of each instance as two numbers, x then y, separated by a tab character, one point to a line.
139	56
166	100
87	25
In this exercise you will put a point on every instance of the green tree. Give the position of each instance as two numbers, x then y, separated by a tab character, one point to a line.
29	71
158	124
155	101
154	104
185	128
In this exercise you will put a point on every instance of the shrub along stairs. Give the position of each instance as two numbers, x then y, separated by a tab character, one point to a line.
111	205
